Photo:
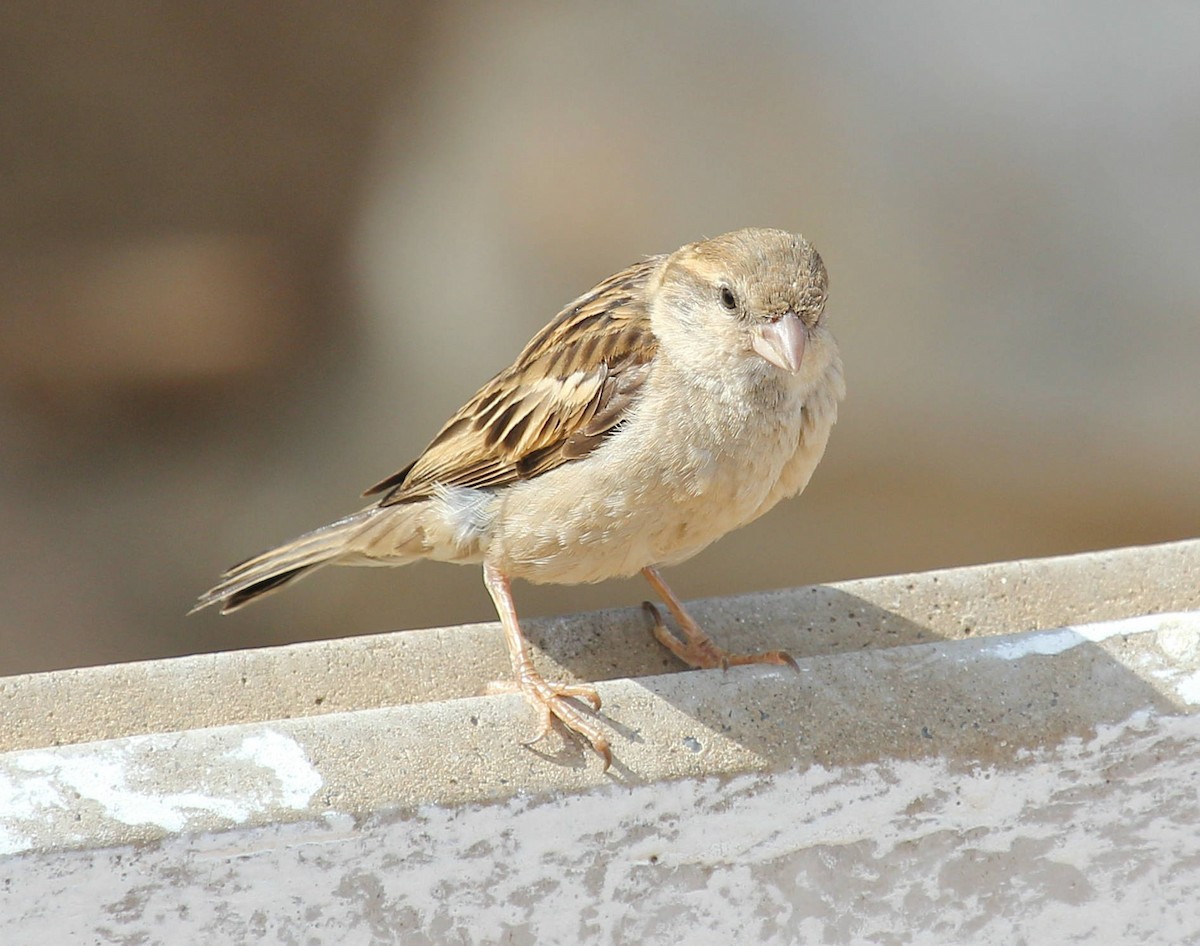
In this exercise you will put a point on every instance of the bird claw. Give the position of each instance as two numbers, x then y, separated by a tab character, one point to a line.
698	650
780	657
552	700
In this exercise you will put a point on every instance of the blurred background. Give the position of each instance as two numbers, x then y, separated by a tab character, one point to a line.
253	255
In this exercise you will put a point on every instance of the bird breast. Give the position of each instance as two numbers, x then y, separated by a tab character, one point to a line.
691	463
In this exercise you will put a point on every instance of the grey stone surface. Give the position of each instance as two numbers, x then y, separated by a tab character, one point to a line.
1000	754
358	673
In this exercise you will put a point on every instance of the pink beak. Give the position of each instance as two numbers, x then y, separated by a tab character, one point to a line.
782	342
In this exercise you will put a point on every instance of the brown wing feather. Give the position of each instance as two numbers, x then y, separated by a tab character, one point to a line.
564	394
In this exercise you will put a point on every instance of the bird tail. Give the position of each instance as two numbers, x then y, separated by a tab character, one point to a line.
273	569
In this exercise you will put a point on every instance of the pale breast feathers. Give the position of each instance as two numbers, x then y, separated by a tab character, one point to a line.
565	393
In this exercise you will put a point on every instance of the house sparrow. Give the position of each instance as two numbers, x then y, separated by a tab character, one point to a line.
677	400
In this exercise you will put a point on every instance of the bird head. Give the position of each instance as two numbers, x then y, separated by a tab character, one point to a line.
753	296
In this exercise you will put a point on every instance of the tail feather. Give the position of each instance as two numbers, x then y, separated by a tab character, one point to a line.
260	588
276	567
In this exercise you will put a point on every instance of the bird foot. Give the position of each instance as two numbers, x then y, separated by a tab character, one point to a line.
698	650
553	700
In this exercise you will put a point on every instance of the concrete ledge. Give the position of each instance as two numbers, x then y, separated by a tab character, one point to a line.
357	673
953	763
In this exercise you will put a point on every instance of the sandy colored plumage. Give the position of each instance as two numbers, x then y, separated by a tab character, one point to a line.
677	400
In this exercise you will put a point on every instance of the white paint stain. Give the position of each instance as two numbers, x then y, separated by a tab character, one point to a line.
107	779
1049	643
1188	688
298	779
265	771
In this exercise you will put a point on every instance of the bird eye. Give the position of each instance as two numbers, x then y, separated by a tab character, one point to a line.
728	299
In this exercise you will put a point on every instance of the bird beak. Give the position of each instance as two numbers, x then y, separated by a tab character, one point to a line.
782	342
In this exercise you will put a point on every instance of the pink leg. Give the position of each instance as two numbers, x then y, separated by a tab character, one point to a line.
697	649
549	699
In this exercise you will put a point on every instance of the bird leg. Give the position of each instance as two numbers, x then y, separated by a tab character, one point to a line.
549	699
697	649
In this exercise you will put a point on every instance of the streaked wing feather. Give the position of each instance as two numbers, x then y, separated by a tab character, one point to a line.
566	392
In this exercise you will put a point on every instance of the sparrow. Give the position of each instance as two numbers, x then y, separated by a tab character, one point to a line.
677	400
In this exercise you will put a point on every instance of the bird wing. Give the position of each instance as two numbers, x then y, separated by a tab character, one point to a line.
566	392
